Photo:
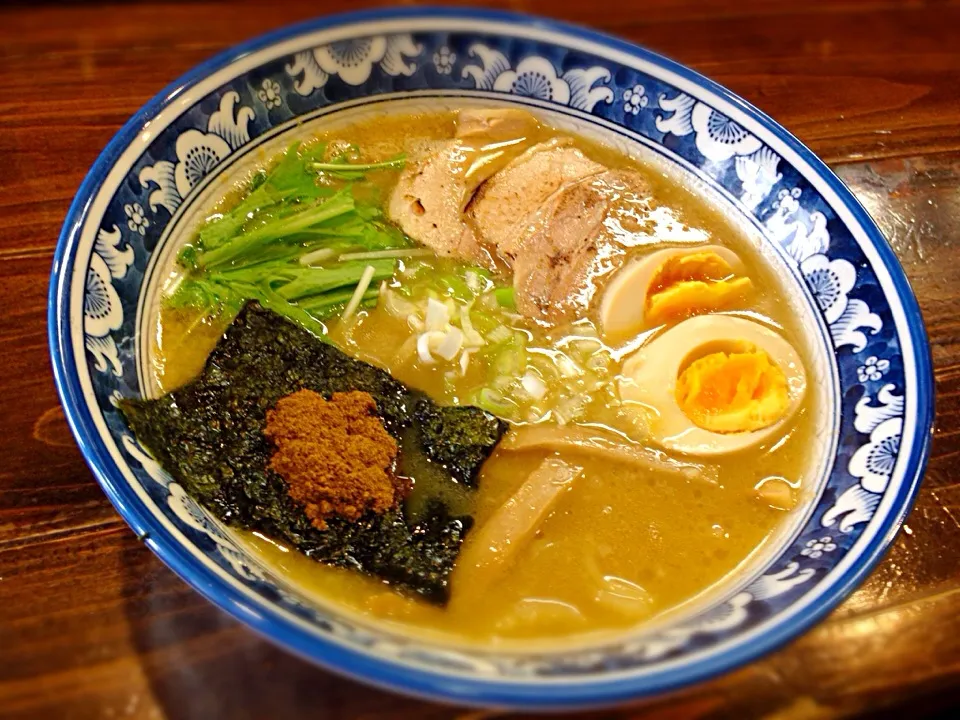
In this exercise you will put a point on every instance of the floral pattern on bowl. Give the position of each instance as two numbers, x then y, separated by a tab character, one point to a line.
879	355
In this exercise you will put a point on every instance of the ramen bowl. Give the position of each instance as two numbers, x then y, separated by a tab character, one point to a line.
871	360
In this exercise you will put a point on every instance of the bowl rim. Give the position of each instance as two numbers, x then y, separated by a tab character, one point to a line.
389	674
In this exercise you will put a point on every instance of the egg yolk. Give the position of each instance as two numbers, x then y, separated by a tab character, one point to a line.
692	284
735	392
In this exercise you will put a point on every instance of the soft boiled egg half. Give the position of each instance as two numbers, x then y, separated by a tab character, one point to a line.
714	384
670	285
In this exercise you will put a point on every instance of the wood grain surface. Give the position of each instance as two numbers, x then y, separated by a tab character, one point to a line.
92	625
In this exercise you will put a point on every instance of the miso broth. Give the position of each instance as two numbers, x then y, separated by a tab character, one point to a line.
621	545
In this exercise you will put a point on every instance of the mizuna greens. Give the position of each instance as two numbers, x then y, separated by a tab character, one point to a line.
299	241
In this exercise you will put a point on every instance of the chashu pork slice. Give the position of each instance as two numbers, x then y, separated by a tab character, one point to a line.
502	208
427	203
566	248
433	190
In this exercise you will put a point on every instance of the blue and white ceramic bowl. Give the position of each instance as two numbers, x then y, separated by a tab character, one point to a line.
872	360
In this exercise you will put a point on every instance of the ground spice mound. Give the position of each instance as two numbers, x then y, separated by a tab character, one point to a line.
335	455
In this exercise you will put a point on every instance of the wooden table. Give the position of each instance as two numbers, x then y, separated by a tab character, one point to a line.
93	626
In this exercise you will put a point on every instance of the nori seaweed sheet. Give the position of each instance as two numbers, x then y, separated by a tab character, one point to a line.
209	437
459	438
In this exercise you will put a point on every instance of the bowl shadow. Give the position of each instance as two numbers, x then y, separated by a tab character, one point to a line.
201	664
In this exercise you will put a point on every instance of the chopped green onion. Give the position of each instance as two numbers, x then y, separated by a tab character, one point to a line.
505	298
494	402
500	334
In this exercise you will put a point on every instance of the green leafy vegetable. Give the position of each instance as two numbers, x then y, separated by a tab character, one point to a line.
493	402
281	243
209	436
307	282
331	301
340	167
247	244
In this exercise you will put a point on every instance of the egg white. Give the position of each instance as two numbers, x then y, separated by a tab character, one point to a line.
623	308
649	381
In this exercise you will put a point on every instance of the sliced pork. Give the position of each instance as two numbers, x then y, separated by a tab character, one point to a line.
427	203
509	199
566	248
541	209
433	190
